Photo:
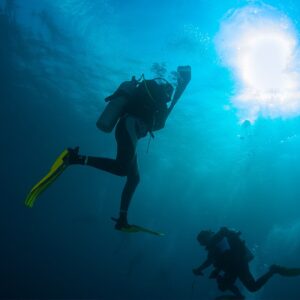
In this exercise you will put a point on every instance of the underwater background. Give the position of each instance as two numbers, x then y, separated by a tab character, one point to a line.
222	160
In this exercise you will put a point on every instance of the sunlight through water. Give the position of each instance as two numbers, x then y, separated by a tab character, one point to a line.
259	45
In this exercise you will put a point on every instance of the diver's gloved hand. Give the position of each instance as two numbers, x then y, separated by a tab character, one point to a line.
198	272
184	75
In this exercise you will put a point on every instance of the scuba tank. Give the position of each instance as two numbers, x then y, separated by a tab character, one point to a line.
141	98
223	246
111	114
118	101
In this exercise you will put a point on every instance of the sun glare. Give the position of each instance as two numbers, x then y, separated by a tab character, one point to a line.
260	46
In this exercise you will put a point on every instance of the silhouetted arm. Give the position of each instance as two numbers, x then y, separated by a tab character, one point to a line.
207	263
184	77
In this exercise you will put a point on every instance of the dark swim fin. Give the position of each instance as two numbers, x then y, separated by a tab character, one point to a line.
136	228
55	171
289	272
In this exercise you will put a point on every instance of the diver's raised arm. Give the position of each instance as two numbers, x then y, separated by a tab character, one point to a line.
207	263
184	77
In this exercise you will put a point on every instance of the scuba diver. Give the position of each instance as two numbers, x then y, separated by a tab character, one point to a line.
136	108
230	257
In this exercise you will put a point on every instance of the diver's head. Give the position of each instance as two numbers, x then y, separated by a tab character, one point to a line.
204	237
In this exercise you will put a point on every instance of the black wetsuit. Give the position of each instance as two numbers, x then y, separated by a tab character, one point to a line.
242	272
138	120
233	259
125	163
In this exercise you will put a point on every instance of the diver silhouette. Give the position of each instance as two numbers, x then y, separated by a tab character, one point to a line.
230	257
135	109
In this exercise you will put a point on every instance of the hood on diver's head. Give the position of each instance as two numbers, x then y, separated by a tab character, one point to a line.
204	237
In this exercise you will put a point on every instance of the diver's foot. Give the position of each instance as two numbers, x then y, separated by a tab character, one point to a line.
122	224
276	269
72	157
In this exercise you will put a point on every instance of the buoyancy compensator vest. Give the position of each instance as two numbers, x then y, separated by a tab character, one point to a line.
144	99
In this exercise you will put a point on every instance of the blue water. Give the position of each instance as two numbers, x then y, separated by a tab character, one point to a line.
58	61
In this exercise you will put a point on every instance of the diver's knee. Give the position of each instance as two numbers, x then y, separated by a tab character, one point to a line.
123	170
135	178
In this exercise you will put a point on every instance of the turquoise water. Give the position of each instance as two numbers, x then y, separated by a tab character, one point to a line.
205	169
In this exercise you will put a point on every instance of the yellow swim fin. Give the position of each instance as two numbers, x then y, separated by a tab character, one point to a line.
55	171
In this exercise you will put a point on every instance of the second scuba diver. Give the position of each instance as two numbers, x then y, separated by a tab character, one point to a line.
230	257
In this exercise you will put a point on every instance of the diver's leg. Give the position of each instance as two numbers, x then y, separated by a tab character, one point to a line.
226	282
132	181
109	165
125	164
237	293
284	271
126	148
125	153
248	280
